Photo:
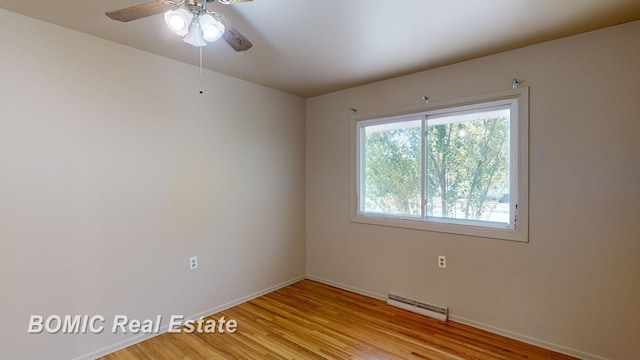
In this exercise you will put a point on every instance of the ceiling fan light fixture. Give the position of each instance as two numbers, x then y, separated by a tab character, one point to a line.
195	35
212	29
178	21
183	16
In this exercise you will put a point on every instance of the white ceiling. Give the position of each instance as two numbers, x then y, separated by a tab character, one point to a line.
311	47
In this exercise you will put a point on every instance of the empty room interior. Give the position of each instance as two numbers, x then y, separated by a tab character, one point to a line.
341	179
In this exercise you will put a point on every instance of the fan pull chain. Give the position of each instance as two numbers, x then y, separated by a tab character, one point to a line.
201	86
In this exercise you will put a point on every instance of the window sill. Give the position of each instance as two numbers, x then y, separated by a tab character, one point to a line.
519	234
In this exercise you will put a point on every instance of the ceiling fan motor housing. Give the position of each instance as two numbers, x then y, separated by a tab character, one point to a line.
196	6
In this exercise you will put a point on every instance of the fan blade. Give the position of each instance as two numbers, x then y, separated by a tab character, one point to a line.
232	36
140	11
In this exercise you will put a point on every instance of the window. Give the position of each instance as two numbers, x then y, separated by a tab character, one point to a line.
457	166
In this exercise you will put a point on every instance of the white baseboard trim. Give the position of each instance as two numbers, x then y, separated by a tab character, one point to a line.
348	288
140	338
526	339
479	325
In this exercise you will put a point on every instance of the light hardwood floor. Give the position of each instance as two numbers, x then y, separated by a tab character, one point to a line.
309	320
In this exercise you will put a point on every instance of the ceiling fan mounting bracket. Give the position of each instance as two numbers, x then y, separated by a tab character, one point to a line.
196	6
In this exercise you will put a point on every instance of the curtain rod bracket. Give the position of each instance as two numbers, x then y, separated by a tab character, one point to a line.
425	99
514	83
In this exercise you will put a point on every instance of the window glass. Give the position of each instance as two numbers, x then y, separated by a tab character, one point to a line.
391	160
468	165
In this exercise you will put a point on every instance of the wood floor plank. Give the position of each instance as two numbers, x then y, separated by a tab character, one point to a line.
310	320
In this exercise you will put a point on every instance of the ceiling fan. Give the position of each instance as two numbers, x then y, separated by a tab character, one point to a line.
189	18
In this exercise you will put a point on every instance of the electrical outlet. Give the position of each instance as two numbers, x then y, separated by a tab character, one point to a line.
442	261
193	263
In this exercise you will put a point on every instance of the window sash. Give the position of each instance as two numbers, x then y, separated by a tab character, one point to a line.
439	117
361	161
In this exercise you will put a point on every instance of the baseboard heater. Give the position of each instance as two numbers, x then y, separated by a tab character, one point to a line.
419	307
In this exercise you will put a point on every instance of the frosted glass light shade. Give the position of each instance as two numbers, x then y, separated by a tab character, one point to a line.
194	37
212	29
178	21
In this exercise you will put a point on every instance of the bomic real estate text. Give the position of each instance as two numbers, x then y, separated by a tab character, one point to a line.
122	324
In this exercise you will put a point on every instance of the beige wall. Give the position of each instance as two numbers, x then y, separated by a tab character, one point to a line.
114	171
576	285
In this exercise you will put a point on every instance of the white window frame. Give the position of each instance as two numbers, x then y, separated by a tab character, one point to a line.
519	159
